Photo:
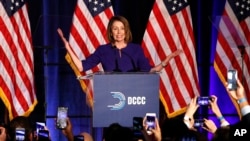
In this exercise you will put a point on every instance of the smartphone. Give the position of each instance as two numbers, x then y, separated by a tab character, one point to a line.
40	126
137	123
232	79
137	127
43	135
150	121
203	100
198	122
20	134
62	114
78	138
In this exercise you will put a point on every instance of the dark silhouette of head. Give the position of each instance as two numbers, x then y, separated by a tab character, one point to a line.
116	132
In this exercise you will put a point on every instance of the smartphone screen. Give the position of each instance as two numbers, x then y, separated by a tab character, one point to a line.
198	122
20	134
39	126
78	138
150	121
232	79
43	135
203	100
62	114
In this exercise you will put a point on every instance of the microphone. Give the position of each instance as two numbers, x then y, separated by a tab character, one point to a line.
116	61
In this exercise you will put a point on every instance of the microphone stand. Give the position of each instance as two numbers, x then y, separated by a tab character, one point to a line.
45	60
242	51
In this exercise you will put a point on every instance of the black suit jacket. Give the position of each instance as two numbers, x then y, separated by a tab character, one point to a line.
241	130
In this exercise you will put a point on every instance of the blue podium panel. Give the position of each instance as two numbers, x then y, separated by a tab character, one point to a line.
118	97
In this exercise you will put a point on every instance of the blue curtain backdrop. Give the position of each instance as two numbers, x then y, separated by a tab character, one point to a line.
56	84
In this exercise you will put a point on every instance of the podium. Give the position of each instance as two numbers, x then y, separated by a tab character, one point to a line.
118	97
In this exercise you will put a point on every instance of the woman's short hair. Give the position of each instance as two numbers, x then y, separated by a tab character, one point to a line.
128	34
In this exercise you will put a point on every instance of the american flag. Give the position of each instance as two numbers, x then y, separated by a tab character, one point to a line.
170	28
16	66
233	42
88	31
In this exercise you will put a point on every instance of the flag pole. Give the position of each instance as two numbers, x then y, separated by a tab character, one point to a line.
242	51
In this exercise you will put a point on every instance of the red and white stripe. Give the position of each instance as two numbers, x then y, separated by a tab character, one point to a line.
16	66
165	34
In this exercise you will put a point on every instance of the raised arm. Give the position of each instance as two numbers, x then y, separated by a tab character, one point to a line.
240	96
189	115
216	110
164	63
74	58
68	131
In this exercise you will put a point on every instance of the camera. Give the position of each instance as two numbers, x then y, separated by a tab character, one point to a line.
232	79
203	100
62	114
150	121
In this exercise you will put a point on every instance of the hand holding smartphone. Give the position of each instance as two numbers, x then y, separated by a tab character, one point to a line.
62	114
150	122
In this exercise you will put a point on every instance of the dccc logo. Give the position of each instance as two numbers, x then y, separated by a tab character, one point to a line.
135	100
121	103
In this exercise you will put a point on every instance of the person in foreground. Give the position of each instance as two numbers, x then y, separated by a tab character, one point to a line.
234	132
119	55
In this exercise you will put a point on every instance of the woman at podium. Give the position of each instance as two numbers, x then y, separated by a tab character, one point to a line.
120	54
